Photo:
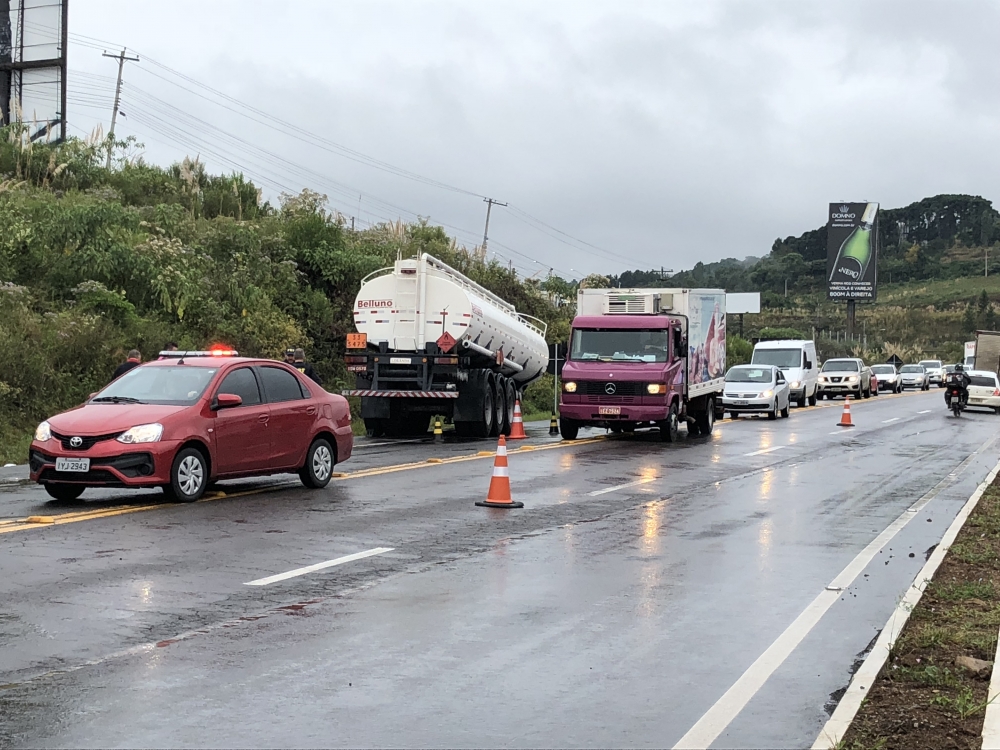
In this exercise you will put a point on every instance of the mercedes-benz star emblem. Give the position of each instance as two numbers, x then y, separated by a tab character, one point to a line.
610	389
76	442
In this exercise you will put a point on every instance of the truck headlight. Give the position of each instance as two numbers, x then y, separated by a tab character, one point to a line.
852	379
655	388
569	387
822	378
796	384
43	432
144	433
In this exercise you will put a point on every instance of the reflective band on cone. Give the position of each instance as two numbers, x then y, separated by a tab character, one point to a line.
845	419
553	425
499	494
517	426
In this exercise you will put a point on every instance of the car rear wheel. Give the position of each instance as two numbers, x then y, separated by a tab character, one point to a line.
64	492
813	399
784	413
705	421
319	465
188	476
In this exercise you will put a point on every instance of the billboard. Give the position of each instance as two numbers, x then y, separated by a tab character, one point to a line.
33	37
852	251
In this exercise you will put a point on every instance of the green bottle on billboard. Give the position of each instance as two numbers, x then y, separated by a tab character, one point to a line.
856	251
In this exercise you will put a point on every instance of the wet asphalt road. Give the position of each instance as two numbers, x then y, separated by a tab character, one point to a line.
636	587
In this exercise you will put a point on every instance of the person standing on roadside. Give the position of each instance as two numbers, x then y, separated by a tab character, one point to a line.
170	346
290	357
300	364
134	360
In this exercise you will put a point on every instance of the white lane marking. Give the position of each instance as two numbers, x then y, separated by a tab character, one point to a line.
925	411
595	493
888	421
708	728
834	730
318	566
391	442
766	450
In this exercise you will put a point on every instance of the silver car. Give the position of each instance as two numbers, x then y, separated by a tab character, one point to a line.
888	378
935	371
845	377
756	389
914	376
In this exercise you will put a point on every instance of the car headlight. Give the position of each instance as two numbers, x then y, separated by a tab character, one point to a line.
144	433
852	379
796	384
767	394
655	388
569	387
43	432
822	378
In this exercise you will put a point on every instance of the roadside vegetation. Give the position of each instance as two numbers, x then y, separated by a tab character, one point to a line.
932	692
94	262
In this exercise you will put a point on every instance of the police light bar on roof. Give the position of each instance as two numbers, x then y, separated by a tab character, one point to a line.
210	353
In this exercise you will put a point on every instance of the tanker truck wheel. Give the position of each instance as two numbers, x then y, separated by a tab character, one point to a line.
376	427
506	387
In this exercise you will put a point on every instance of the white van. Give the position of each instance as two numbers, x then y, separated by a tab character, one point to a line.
797	359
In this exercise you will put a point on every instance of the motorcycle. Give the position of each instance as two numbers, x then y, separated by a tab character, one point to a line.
954	399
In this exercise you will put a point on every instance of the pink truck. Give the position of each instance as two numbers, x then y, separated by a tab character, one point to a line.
645	357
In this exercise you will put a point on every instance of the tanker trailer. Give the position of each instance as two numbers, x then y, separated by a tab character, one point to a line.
432	341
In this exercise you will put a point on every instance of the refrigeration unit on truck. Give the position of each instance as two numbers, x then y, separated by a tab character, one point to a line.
432	341
645	357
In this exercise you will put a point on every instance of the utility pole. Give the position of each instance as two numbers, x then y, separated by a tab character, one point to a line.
122	59
486	232
986	271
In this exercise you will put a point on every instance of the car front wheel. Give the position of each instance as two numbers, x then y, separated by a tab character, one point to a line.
188	476
319	464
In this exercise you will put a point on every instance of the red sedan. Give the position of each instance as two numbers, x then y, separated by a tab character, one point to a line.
189	419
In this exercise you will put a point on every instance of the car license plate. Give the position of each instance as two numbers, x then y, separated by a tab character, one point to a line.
741	403
611	410
976	400
399	360
73	464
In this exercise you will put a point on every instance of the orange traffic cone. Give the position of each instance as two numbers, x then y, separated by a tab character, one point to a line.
517	426
499	494
845	420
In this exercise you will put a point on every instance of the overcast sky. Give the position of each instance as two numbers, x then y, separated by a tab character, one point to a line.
663	133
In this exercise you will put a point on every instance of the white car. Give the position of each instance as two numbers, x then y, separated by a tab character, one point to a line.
935	371
984	390
756	389
888	378
914	376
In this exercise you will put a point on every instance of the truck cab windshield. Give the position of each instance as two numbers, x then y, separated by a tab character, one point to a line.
631	345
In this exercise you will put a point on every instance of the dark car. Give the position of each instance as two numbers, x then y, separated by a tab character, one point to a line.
189	419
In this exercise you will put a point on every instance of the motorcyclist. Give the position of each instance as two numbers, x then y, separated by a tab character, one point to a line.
958	378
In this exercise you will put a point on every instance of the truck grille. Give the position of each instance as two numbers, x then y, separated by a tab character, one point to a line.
600	388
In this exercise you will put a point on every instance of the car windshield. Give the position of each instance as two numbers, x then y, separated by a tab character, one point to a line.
840	365
884	369
175	384
633	345
912	368
778	357
930	363
749	375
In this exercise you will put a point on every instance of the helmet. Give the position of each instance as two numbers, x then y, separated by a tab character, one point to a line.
959	368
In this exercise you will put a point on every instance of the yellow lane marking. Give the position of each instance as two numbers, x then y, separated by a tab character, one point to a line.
34	522
37	522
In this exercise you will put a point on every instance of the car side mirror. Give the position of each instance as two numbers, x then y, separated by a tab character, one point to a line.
809	365
227	401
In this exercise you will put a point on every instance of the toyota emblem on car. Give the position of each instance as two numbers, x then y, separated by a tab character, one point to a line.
75	442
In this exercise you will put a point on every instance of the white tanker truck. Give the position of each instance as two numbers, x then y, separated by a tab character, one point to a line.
432	341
